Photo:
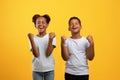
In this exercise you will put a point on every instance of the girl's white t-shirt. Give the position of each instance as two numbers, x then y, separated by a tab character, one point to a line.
43	63
77	62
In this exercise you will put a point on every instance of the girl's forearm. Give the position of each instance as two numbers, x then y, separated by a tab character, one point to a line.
34	48
49	48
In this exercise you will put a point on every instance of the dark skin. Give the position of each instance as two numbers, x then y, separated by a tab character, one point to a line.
41	26
34	48
75	28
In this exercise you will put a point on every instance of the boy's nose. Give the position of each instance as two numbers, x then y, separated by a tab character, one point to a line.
73	25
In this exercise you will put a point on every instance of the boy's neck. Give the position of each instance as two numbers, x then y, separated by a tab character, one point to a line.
42	34
76	36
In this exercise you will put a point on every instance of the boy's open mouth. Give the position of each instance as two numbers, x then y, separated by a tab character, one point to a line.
74	28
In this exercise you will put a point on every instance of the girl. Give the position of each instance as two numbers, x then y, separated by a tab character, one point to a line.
75	51
42	46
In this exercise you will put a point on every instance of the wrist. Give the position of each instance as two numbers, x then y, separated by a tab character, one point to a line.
92	44
63	43
30	38
50	41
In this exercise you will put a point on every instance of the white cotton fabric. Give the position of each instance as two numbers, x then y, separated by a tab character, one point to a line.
77	62
43	63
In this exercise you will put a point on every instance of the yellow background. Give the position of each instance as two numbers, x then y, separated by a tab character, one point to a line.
100	18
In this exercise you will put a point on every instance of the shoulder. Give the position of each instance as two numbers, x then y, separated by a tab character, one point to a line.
68	39
87	44
35	37
84	38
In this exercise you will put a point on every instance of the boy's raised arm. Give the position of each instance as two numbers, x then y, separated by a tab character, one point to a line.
64	49
90	50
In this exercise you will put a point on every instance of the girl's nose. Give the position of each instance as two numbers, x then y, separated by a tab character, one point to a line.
40	24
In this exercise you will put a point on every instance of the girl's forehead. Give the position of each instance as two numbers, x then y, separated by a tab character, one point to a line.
41	18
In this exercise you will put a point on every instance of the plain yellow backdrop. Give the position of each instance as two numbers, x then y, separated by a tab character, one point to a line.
100	18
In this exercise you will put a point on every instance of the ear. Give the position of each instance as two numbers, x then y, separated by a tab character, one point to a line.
47	25
68	27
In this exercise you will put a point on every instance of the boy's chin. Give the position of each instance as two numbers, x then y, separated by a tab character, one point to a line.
76	32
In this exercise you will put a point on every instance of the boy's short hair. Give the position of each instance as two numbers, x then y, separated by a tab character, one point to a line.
74	17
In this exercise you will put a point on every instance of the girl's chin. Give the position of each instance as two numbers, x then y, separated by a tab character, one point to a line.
41	30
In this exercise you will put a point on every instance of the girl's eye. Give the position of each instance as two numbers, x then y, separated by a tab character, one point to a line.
38	22
43	22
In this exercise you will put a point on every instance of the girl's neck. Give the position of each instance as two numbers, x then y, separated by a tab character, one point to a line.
76	36
42	34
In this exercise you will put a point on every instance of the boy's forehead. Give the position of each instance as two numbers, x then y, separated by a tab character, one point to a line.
74	20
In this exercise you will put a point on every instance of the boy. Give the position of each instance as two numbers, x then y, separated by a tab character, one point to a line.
75	51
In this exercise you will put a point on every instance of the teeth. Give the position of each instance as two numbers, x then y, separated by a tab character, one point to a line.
74	28
40	27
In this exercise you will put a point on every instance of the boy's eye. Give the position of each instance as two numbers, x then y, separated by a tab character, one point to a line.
76	23
71	24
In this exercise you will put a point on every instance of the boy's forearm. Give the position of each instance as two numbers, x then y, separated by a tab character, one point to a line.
90	52
64	52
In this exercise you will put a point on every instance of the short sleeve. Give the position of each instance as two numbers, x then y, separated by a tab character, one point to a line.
36	43
65	44
87	44
54	42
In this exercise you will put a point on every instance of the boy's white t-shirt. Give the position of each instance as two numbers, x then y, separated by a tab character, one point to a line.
77	62
43	63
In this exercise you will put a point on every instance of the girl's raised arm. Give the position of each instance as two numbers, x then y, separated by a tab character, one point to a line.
34	48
